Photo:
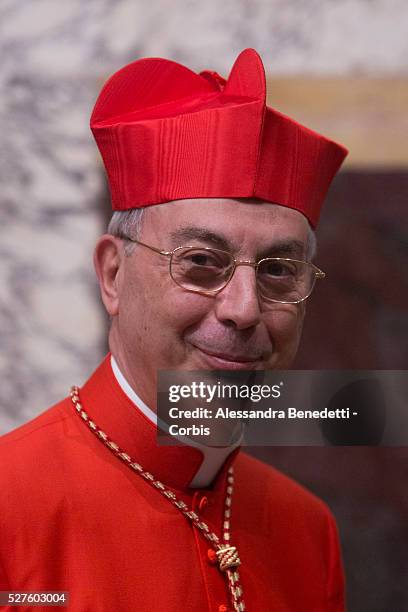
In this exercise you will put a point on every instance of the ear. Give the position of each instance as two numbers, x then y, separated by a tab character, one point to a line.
108	258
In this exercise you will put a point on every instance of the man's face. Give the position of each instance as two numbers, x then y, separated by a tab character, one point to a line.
159	325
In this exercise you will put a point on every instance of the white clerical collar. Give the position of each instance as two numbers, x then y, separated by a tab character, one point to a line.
214	457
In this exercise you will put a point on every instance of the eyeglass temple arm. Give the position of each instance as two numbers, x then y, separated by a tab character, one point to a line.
152	248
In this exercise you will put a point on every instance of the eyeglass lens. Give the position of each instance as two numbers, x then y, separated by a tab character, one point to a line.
198	269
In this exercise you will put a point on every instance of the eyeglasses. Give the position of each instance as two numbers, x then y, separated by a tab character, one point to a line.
207	271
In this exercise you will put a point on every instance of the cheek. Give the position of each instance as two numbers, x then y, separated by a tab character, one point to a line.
174	314
284	324
157	313
179	310
137	299
288	320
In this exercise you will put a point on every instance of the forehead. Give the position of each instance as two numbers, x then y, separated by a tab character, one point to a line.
239	221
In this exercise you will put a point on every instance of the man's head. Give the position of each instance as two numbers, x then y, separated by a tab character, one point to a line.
212	167
156	324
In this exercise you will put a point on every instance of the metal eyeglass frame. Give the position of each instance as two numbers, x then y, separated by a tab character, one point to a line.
254	264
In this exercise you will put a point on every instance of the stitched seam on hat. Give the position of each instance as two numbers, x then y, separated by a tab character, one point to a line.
119	119
295	171
244	100
258	155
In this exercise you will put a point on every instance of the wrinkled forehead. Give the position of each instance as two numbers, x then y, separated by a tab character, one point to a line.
226	223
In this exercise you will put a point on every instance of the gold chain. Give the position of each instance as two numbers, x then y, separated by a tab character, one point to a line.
227	555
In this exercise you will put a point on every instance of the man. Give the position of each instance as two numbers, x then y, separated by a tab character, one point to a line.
211	190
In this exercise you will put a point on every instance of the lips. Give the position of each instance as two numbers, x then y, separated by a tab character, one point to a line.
243	358
228	360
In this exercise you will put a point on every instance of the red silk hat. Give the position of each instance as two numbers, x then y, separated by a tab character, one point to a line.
166	133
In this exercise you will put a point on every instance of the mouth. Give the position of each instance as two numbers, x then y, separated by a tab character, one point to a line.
225	361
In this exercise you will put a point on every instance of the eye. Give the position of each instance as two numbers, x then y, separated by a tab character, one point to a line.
276	268
201	259
204	259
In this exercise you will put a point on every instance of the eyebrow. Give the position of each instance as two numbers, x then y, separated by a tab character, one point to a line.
290	246
201	233
285	247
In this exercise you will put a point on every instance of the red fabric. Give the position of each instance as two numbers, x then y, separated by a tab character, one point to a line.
74	518
167	133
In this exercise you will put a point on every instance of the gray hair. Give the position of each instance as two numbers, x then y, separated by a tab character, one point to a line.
311	244
128	224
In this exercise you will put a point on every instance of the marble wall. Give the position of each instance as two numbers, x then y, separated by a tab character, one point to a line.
54	57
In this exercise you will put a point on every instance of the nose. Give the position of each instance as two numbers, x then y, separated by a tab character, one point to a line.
238	304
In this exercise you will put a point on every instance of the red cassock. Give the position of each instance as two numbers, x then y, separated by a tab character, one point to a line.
74	518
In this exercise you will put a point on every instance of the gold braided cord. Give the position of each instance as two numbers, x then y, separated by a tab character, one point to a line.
227	555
